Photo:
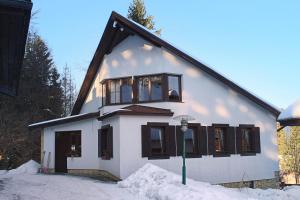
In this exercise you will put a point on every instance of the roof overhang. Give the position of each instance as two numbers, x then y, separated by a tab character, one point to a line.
118	28
15	16
59	121
138	110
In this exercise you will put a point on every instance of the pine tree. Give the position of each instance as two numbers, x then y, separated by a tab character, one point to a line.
137	12
69	91
39	99
289	151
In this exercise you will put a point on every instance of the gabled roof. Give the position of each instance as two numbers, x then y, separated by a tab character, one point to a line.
138	110
64	120
118	28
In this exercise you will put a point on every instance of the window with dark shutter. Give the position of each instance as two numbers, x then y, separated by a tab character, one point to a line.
105	142
194	147
158	140
221	140
248	140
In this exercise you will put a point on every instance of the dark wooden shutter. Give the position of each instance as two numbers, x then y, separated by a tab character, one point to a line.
179	140
239	140
256	132
202	141
99	143
110	142
170	141
211	140
145	132
230	140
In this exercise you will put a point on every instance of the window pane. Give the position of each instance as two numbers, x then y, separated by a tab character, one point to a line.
112	89
75	145
246	140
219	139
190	141
157	141
118	85
144	89
173	90
104	94
156	88
126	90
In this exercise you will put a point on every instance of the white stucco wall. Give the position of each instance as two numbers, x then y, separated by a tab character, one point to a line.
208	168
204	97
89	144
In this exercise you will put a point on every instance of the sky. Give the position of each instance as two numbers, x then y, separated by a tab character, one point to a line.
254	43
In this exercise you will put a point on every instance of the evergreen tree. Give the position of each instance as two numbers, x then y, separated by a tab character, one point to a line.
289	151
39	99
137	12
69	91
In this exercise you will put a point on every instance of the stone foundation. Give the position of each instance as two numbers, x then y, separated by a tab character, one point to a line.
263	184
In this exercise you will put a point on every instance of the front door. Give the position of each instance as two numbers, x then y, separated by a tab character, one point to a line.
60	153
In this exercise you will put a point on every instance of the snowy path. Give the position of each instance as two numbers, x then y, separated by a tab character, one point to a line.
56	187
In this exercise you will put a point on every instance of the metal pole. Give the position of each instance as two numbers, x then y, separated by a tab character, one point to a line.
183	160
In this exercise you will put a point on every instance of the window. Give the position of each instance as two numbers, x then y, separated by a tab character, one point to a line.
103	94
144	85
105	142
195	141
158	140
158	146
190	141
126	90
139	89
173	90
220	139
150	88
74	147
247	140
114	88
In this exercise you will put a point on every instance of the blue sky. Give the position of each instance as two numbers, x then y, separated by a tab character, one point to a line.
254	43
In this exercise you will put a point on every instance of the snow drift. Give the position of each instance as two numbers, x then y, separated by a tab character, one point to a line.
156	183
153	182
30	167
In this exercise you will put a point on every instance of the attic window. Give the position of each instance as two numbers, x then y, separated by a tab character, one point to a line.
141	89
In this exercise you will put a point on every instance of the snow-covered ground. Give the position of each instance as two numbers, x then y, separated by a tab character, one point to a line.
150	182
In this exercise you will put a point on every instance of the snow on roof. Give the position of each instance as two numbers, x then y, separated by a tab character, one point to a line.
292	112
204	63
55	120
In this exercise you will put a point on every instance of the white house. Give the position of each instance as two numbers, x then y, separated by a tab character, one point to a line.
123	116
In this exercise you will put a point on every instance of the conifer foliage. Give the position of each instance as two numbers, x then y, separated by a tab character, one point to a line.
137	12
289	151
39	98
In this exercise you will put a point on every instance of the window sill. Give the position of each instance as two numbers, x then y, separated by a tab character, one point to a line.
158	157
193	156
221	154
248	154
142	102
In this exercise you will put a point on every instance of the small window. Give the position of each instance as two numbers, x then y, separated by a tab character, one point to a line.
190	141
150	88
247	140
74	144
157	144
173	90
220	139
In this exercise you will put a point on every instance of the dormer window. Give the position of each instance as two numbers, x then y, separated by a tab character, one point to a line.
141	89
